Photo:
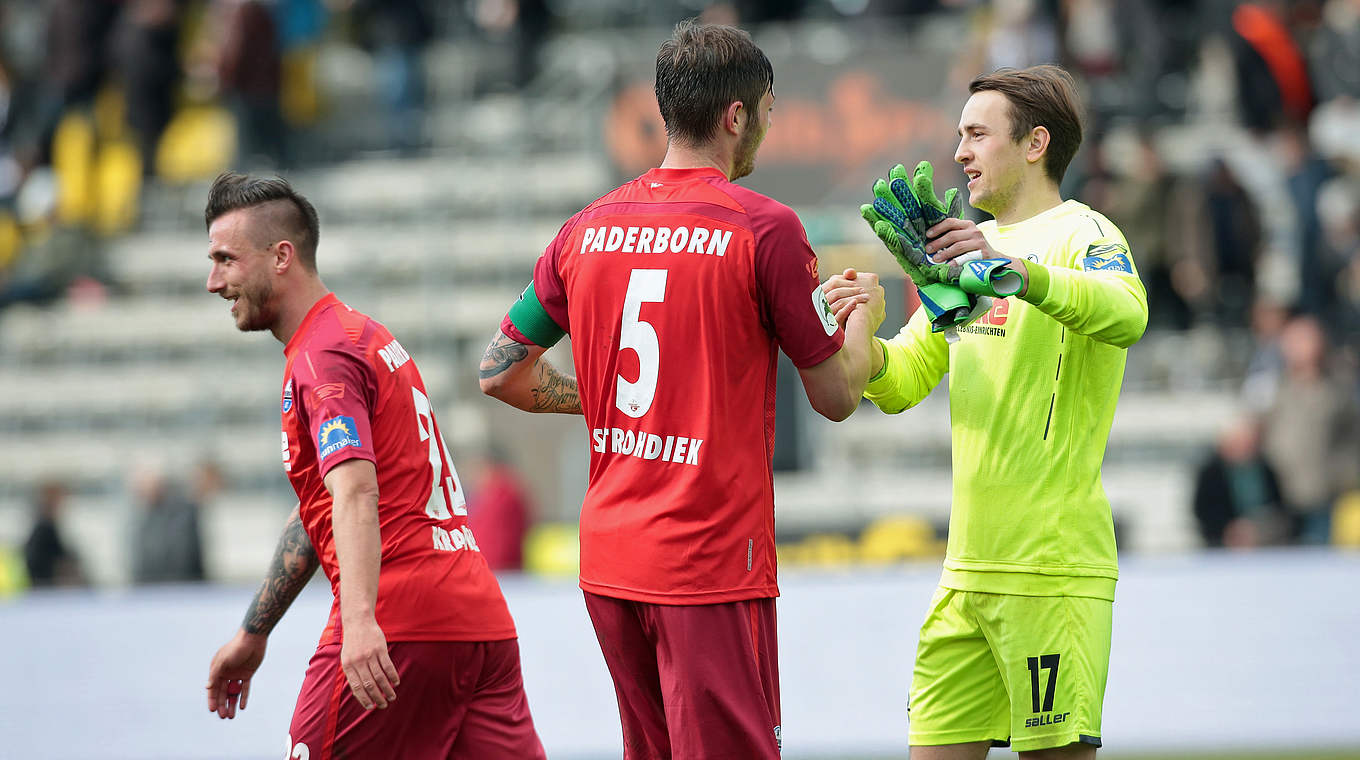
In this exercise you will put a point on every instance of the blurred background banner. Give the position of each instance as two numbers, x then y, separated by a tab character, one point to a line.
444	143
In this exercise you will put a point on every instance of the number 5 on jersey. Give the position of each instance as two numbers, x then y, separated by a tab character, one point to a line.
644	286
445	492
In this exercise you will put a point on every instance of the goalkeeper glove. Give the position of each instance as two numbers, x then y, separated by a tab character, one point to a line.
990	277
899	220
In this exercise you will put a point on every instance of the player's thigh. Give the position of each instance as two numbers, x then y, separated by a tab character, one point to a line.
1055	656
1077	751
957	693
630	654
421	722
719	668
970	751
497	724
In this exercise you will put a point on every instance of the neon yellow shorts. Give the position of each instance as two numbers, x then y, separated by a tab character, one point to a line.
1028	670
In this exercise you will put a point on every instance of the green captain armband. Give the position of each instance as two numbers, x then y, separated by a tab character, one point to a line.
529	317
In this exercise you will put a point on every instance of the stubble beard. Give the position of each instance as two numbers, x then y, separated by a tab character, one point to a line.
745	159
255	311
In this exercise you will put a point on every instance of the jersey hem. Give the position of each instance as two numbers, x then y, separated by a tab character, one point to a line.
1053	741
502	634
1028	583
681	598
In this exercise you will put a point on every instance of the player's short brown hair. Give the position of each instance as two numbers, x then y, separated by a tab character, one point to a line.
293	219
700	70
1040	96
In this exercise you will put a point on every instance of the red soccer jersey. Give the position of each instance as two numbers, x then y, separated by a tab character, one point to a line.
677	289
352	392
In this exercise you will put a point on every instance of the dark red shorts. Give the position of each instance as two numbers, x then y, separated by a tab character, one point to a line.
693	681
457	701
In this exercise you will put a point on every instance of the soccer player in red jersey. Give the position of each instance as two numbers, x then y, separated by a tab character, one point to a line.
377	491
678	289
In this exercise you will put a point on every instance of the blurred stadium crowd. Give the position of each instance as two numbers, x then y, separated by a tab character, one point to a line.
1223	137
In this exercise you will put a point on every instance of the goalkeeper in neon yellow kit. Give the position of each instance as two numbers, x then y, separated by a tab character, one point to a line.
1015	647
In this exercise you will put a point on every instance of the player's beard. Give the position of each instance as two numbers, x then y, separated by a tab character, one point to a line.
744	162
255	307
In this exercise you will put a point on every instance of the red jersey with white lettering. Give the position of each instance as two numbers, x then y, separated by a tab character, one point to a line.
678	289
352	392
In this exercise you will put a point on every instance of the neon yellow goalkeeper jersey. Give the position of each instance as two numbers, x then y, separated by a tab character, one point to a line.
1032	391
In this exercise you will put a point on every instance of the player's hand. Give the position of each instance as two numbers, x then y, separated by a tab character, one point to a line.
954	237
367	666
850	290
230	673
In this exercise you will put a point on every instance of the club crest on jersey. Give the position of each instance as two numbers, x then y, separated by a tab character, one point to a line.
823	309
336	433
288	396
1109	257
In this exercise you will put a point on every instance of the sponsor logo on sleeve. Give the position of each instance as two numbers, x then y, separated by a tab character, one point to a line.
336	433
1109	257
823	309
288	396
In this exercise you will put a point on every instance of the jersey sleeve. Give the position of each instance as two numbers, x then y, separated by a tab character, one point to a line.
914	362
794	305
337	400
524	322
1098	292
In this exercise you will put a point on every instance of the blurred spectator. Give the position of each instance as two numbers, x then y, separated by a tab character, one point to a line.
1335	51
50	560
1272	77
499	511
77	42
1306	172
396	32
167	546
1338	212
148	56
1234	226
1237	495
1141	205
1311	435
1261	382
249	77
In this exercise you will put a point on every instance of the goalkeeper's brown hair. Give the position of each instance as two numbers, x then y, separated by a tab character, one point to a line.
1040	96
289	217
700	70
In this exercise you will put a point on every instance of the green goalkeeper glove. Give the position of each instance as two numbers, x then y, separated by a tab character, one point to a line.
900	221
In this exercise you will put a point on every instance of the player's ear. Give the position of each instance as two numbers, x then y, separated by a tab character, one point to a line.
1038	144
285	255
734	116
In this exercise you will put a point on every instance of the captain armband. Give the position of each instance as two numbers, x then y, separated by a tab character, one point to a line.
529	317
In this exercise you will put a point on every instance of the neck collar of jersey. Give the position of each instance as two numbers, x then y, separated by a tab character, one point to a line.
327	301
681	175
1041	217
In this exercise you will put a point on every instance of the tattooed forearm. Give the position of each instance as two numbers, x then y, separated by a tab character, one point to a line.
294	563
501	355
554	391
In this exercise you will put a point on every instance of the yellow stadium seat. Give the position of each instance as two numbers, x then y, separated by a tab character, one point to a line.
894	539
10	239
73	149
198	144
118	186
1346	520
553	549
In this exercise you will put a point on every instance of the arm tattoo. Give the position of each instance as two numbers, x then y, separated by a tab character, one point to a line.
554	391
501	355
295	562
